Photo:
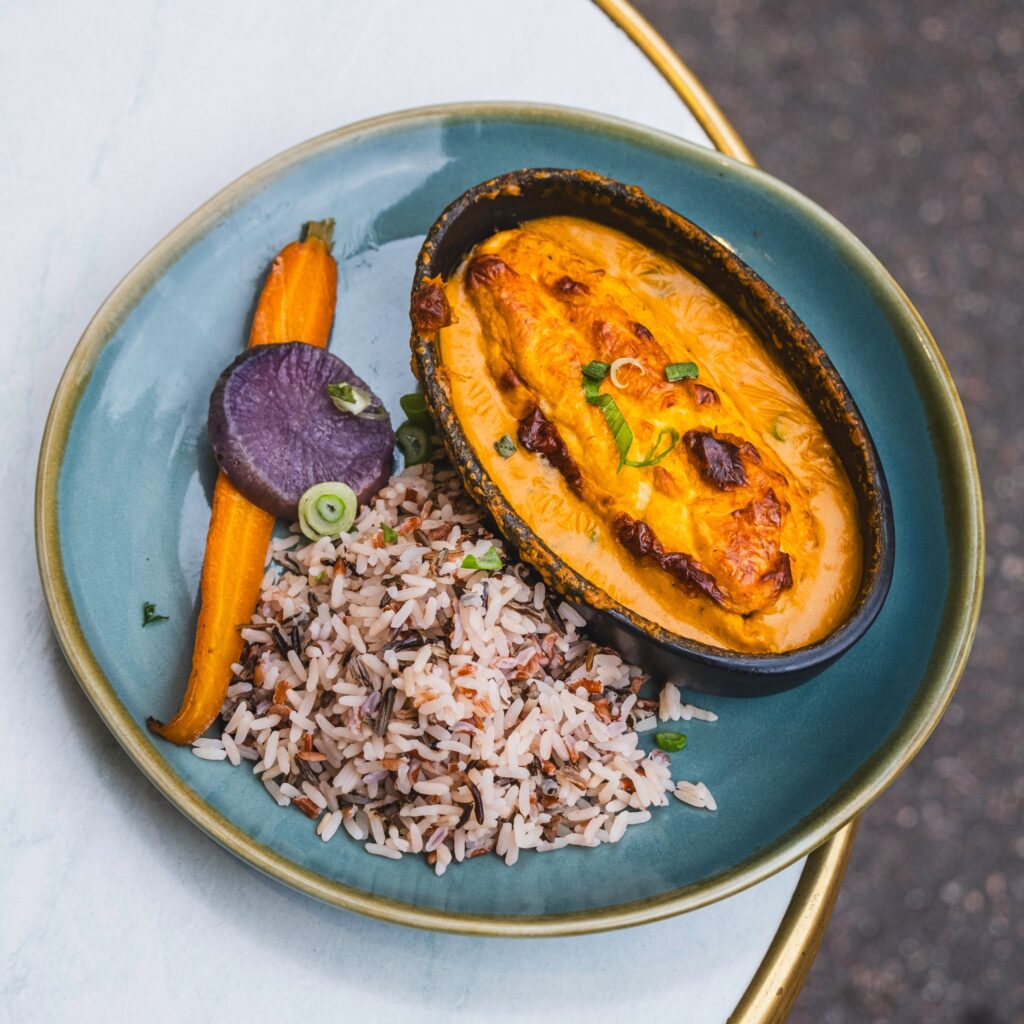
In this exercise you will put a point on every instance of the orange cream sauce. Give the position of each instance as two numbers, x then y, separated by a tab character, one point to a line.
757	402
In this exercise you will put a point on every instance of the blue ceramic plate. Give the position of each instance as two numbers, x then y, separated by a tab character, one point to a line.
126	476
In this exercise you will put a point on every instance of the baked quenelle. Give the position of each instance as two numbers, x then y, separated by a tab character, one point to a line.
639	425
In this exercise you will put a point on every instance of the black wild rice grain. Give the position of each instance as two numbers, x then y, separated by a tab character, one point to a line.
478	803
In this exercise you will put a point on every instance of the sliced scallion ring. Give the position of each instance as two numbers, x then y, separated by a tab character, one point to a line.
348	398
416	411
619	364
414	443
327	510
355	400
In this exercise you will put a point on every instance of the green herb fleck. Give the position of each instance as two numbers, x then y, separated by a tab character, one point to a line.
673	742
680	371
320	576
505	446
777	429
389	534
596	370
490	560
149	615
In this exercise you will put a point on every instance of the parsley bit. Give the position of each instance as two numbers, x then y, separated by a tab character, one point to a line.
149	615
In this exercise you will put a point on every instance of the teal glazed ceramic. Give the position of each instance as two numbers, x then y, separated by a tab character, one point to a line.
504	202
126	476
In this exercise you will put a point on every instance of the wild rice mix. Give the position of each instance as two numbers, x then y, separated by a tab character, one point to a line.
429	708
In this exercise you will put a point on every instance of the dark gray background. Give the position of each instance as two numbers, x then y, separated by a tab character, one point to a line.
905	121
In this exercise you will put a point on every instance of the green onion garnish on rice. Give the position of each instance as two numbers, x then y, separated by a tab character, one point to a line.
414	443
390	536
415	409
489	561
673	742
327	510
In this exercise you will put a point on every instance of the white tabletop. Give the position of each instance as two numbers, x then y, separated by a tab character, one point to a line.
116	120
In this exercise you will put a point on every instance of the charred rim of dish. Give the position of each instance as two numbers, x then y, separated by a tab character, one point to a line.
509	200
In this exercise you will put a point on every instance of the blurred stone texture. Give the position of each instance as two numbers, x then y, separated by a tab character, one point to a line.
906	120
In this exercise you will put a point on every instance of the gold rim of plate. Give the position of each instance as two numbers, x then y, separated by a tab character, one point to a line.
959	620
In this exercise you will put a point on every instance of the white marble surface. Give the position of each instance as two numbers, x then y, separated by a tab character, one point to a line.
116	120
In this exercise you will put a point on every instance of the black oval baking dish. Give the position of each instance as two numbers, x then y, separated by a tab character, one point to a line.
511	199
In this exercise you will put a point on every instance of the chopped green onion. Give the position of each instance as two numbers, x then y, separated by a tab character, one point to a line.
348	398
505	446
673	742
680	371
490	560
327	510
415	409
149	615
652	459
777	430
389	534
622	435
596	370
414	443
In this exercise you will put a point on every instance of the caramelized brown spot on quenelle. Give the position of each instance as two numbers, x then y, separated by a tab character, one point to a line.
703	395
640	331
718	458
567	286
429	310
485	268
781	574
509	380
751	547
639	539
538	435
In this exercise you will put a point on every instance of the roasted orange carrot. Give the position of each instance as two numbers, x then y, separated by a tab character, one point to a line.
296	304
297	301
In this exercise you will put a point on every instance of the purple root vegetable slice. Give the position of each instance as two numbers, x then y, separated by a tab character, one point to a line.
275	431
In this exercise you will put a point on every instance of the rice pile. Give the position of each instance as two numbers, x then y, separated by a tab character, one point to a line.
429	708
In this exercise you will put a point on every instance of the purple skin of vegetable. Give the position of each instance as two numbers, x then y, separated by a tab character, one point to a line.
275	431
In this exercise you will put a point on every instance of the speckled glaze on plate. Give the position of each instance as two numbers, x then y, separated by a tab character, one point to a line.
125	478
